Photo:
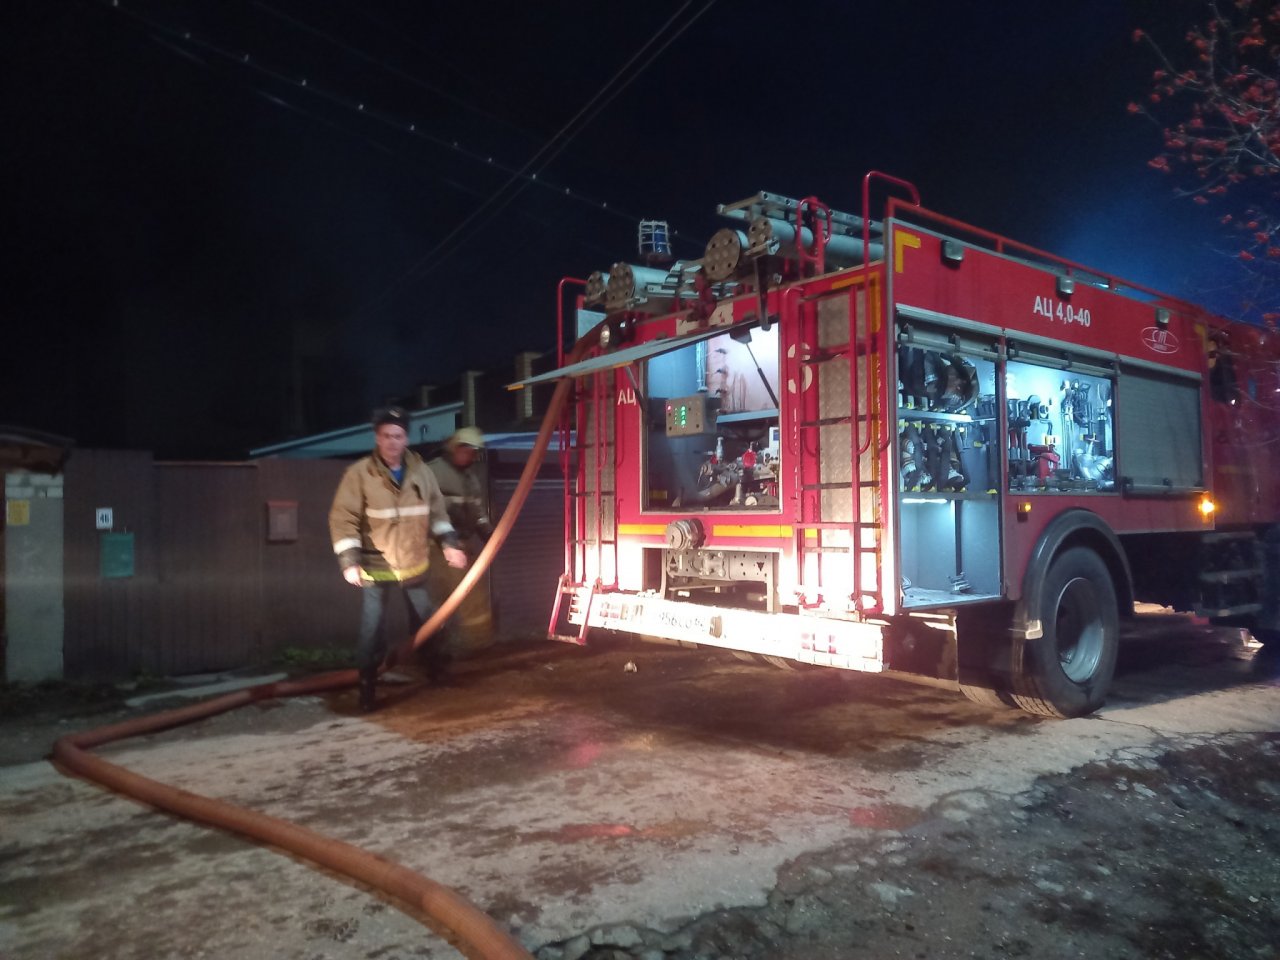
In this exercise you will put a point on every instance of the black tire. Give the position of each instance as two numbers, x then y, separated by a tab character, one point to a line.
1067	671
986	696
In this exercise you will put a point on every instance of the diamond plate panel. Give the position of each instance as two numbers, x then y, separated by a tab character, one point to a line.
833	321
833	388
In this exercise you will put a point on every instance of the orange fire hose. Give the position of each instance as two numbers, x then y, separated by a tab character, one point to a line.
472	926
516	504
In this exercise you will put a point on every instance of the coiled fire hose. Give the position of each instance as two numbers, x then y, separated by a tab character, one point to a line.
475	929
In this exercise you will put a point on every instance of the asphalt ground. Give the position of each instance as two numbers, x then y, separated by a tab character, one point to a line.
689	805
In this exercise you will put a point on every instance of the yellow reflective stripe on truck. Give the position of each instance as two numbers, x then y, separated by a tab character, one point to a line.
643	529
771	530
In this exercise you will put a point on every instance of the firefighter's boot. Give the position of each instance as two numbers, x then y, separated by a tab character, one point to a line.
368	680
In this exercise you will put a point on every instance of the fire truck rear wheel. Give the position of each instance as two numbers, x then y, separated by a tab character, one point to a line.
1067	671
985	696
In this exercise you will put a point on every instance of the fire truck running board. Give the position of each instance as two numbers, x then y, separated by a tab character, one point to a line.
807	639
1236	611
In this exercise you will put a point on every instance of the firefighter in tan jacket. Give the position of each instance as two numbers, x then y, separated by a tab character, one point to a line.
387	506
462	481
463	485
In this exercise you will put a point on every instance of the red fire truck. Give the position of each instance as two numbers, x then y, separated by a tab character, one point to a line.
908	445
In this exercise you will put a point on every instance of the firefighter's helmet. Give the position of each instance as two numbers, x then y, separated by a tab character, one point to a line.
465	437
396	416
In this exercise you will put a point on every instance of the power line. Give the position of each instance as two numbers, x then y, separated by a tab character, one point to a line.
395	71
398	156
519	178
172	39
438	57
425	264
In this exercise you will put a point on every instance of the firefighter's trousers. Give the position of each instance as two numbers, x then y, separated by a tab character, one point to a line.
372	647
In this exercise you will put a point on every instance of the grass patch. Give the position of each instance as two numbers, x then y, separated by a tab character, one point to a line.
64	696
316	658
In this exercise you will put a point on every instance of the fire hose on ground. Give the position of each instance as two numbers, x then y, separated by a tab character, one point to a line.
475	929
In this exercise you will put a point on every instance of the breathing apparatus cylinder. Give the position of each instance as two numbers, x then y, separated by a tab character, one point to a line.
914	474
957	478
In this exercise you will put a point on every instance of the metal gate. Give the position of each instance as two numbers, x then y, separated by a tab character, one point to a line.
525	573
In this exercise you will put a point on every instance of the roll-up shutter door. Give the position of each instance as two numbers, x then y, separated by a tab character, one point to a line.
1158	433
529	565
928	335
1068	361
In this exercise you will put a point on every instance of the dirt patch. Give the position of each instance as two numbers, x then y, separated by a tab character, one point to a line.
1146	859
33	716
620	813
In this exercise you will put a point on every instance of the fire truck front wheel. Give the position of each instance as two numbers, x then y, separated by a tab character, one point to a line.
1066	672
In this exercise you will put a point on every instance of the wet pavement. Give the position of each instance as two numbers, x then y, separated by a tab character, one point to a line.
567	796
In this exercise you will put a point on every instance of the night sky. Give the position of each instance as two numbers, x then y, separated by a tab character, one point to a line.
203	254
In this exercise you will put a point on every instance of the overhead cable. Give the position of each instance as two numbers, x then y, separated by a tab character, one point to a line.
173	38
497	202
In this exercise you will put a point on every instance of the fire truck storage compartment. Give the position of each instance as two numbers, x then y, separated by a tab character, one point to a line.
948	467
1159	438
712	438
1061	432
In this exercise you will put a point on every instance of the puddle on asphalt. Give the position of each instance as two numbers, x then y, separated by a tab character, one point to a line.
885	816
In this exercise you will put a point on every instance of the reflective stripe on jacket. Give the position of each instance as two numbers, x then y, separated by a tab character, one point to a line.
385	528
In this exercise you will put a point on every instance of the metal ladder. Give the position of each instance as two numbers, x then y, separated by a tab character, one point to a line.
868	432
864	527
587	492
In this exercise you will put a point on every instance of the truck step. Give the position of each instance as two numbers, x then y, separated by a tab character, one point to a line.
1237	611
1226	576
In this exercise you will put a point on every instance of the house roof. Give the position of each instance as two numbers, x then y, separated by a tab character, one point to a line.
431	425
25	449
